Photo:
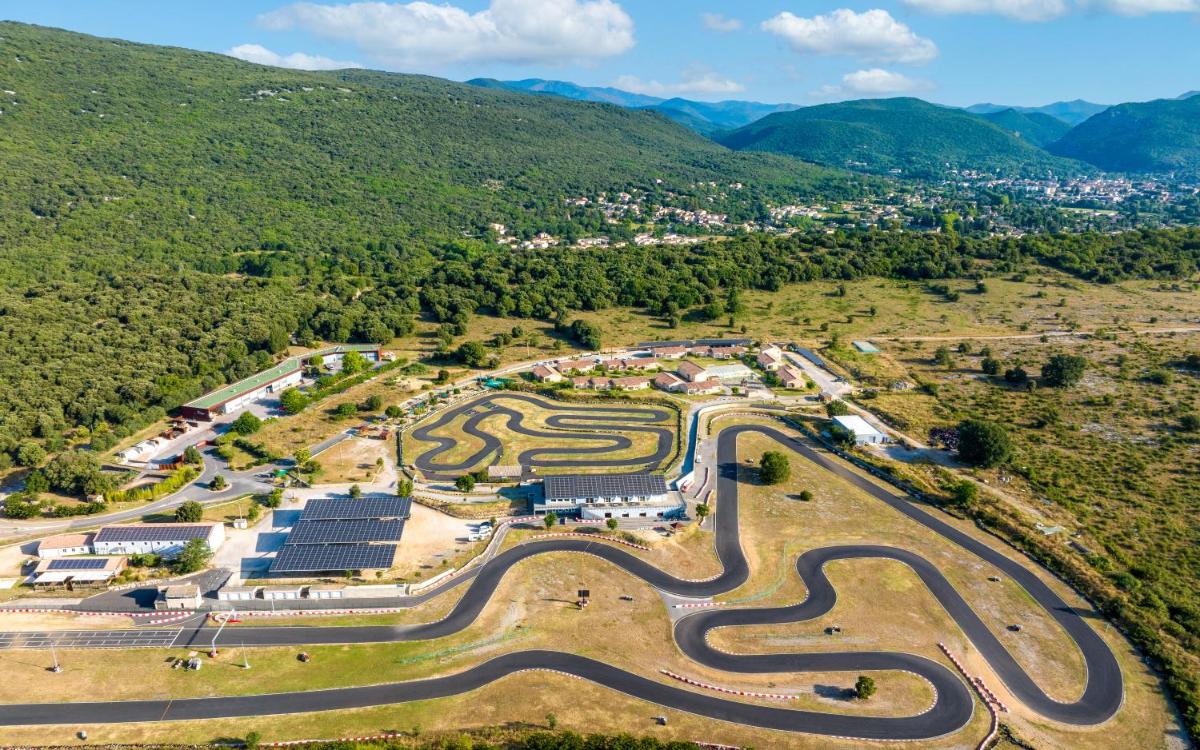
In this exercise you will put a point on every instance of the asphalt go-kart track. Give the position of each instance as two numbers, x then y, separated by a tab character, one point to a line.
951	710
571	422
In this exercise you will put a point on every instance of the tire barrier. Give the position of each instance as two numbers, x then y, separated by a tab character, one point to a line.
731	691
594	537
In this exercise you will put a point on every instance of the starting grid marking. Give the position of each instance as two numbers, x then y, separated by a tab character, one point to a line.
90	639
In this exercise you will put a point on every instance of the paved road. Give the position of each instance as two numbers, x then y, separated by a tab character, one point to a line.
591	423
952	709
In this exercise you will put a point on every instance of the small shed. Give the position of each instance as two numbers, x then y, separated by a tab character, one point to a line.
281	592
182	596
866	347
237	593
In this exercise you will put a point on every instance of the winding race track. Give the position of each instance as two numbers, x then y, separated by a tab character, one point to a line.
952	709
595	424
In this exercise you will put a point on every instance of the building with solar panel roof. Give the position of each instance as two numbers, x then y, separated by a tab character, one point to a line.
339	534
600	496
77	572
157	538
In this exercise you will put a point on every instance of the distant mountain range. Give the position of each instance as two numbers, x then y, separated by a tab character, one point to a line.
1072	113
703	117
905	134
919	138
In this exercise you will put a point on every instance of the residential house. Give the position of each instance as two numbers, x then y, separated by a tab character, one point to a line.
546	374
691	372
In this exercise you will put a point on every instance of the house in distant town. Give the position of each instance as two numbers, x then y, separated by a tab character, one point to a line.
770	359
791	377
669	381
546	374
691	372
636	383
702	387
577	365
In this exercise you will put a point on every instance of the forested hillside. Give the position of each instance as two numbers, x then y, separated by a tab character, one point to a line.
1157	136
168	219
1035	127
911	135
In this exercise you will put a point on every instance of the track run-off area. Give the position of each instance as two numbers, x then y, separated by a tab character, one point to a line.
599	425
952	709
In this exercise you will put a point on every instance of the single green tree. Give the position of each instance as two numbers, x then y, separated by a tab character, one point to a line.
355	491
1063	370
837	408
702	511
774	468
806	495
189	512
465	483
611	524
864	687
293	401
393	412
218	483
983	443
405	489
247	424
193	557
549	520
191	455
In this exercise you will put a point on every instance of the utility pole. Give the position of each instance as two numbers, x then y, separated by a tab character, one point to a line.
213	651
245	660
54	655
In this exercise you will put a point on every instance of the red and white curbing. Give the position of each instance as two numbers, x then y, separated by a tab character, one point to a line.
593	537
730	691
169	620
91	613
238	614
989	699
365	738
697	605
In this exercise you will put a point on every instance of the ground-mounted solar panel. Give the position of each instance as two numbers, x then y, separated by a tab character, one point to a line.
578	486
341	531
329	508
78	563
333	558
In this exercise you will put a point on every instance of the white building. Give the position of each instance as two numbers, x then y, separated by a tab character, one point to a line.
863	432
734	373
63	545
599	496
159	538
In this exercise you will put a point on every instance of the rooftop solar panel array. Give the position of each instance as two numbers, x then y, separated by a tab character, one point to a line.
153	533
345	508
573	487
79	563
318	558
346	531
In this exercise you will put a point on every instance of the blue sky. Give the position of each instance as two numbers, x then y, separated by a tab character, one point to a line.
951	51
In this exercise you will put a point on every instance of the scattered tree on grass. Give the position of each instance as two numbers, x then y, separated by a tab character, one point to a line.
471	354
355	491
551	721
189	512
374	402
943	358
990	366
806	495
1190	423
405	489
1016	376
393	412
1063	370
612	526
292	401
550	519
353	363
246	424
465	483
864	687
702	511
345	409
253	512
275	499
194	556
774	468
18	506
983	443
837	408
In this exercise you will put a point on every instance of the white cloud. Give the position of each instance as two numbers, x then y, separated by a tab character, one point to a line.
1022	10
699	82
720	22
872	83
424	34
256	53
872	35
1142	7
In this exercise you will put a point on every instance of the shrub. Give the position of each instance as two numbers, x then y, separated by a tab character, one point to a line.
1063	370
247	424
189	512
